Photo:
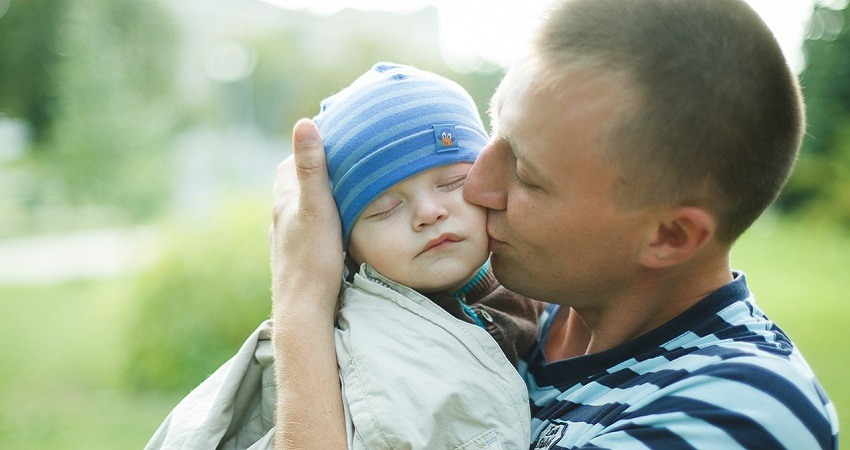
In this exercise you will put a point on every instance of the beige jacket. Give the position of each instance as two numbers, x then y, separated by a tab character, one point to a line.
413	377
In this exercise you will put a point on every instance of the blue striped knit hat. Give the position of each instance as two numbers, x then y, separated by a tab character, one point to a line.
391	123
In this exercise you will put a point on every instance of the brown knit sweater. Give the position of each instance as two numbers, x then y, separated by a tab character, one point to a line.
509	317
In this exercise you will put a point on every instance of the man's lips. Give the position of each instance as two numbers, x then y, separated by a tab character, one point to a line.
441	241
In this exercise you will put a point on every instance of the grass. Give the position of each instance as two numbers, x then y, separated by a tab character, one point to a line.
59	366
61	352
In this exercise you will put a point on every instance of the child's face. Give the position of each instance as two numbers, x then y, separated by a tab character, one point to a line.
422	233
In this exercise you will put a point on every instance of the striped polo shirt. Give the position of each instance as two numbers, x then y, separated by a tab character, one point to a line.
720	375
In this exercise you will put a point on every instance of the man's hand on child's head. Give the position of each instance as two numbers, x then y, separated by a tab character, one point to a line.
306	232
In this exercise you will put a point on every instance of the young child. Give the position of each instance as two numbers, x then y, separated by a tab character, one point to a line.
424	331
399	144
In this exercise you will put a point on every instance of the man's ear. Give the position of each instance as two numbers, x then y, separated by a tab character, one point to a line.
677	236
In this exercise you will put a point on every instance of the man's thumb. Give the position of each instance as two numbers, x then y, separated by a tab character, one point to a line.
309	155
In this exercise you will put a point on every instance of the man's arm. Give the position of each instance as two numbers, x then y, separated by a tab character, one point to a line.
307	267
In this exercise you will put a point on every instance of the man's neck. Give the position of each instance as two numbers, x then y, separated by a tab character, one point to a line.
568	336
580	331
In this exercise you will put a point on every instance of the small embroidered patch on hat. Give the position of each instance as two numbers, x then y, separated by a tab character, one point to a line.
446	137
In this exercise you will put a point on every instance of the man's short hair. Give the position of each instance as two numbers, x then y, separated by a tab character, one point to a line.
718	118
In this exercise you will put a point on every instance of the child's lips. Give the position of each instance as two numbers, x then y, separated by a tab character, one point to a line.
441	241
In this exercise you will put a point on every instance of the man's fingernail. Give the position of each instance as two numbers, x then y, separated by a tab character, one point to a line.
306	132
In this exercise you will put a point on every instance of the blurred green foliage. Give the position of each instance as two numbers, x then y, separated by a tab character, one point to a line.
112	91
29	38
108	140
301	64
820	184
194	307
94	80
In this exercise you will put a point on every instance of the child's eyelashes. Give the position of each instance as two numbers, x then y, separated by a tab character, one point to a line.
453	183
383	214
389	203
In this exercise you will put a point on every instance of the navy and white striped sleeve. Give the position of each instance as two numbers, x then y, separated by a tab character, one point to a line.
772	407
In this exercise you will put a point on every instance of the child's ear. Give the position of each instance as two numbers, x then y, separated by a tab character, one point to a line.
677	236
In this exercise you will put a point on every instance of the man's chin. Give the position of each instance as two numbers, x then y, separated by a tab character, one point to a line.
502	269
509	275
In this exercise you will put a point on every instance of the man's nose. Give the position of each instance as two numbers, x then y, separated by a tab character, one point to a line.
485	183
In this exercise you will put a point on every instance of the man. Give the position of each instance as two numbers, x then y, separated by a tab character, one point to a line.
631	148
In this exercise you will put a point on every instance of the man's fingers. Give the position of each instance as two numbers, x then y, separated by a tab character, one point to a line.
285	179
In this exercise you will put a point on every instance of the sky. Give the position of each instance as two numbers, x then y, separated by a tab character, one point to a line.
473	36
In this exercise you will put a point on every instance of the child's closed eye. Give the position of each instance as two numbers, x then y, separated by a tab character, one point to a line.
385	212
452	183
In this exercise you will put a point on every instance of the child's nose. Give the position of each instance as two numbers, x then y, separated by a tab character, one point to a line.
428	212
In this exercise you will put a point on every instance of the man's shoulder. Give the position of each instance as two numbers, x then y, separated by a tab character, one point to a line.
730	371
751	352
720	375
733	391
750	370
755	391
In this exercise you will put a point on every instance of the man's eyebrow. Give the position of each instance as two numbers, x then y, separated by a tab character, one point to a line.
518	153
